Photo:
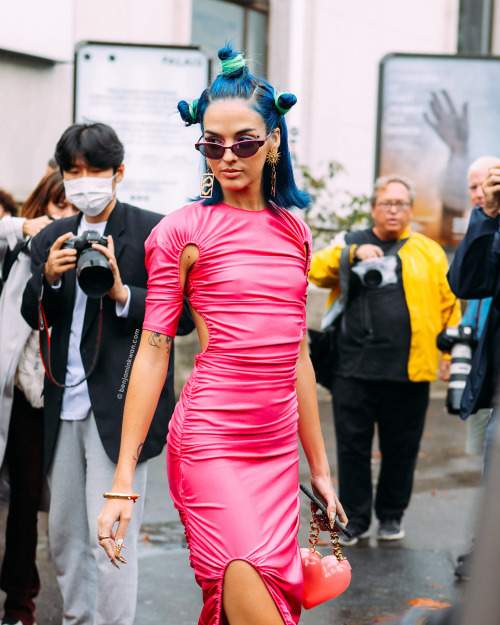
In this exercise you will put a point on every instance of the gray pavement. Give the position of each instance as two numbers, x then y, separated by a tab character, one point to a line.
439	525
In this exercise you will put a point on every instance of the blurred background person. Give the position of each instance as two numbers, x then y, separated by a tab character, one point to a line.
13	229
51	166
468	278
21	410
8	205
475	317
397	301
477	310
473	273
477	173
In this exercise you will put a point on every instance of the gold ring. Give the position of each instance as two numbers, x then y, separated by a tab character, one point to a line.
101	537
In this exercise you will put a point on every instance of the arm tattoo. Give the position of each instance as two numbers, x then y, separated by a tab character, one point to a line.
138	452
156	340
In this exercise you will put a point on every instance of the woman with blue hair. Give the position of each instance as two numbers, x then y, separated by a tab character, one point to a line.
242	259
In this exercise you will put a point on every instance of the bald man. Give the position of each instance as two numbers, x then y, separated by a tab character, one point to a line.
475	400
476	175
477	310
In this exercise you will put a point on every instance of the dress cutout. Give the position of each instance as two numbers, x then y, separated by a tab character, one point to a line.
232	451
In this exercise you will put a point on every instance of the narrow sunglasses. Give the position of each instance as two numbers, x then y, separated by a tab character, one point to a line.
241	149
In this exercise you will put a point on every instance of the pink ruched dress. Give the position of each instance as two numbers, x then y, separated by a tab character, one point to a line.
232	451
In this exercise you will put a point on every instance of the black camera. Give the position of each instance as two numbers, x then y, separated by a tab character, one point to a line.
460	342
377	272
93	270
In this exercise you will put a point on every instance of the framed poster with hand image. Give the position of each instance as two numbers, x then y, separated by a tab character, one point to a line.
437	114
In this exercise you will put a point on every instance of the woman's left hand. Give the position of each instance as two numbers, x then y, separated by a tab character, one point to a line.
323	489
115	510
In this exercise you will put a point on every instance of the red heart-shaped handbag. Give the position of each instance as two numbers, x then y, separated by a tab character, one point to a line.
324	577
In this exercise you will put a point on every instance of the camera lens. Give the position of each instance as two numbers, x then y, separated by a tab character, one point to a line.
372	278
95	276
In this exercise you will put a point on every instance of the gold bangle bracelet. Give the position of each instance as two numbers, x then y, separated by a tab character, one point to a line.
133	497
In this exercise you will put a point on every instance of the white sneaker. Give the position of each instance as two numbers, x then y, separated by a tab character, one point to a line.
350	542
390	530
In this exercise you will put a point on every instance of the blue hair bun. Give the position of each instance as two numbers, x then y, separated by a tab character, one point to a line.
233	64
188	112
284	102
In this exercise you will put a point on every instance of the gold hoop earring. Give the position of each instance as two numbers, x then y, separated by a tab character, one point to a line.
272	159
207	183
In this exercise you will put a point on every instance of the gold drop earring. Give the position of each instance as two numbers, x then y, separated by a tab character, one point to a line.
271	159
207	183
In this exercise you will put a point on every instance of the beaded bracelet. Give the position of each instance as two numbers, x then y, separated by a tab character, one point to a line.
133	497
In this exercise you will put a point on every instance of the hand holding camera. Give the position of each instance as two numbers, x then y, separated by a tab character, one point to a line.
377	272
95	262
460	341
59	260
491	190
368	250
118	292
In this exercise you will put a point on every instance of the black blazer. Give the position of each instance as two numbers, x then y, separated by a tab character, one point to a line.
130	227
475	274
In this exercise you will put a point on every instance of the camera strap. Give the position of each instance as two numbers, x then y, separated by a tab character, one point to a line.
344	266
44	342
450	314
394	249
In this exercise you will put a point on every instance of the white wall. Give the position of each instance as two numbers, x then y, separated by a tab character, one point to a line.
132	21
325	51
32	116
328	53
36	98
34	27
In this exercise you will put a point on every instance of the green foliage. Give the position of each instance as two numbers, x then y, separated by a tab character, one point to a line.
332	211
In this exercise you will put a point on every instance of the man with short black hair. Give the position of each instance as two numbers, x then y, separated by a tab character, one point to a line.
83	419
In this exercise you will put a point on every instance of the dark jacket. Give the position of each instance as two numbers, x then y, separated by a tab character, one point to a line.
129	226
475	274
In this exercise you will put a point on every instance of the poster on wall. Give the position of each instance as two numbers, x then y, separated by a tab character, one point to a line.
436	115
135	89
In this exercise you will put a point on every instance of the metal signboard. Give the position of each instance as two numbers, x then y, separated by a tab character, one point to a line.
135	89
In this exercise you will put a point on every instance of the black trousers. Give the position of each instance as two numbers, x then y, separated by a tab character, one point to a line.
398	409
24	455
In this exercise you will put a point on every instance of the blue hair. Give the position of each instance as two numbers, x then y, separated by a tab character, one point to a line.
236	82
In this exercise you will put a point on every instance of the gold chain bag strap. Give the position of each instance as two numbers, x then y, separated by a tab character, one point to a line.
325	577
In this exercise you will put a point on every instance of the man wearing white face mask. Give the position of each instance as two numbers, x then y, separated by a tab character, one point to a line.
83	419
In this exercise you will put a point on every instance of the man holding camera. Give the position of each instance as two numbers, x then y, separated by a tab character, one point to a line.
475	400
397	301
475	273
477	311
93	343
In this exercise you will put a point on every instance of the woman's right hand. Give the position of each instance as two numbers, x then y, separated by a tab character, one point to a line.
114	511
33	226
